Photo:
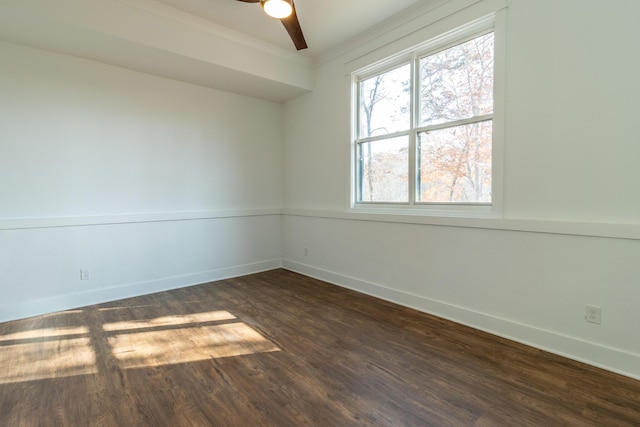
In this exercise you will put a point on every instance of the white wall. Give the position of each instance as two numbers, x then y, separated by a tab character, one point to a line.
571	174
572	85
148	182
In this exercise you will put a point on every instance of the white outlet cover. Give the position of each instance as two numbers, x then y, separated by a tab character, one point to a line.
593	314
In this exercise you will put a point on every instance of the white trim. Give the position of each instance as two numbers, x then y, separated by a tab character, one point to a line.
393	214
412	34
404	23
398	215
68	221
499	112
118	292
626	363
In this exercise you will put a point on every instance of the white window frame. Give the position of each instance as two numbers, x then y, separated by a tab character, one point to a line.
492	23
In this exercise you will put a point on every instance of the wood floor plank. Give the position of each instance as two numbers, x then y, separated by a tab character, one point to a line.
281	349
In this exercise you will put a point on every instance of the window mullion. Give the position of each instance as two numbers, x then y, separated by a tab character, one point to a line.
382	137
456	123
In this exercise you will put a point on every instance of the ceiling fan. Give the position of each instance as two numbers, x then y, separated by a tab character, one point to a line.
286	12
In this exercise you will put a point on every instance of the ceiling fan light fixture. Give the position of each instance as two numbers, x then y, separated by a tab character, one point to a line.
278	8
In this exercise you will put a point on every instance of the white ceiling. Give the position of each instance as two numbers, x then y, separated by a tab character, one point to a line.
222	44
325	23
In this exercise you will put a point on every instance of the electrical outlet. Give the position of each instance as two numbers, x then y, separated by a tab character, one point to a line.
85	274
593	315
306	251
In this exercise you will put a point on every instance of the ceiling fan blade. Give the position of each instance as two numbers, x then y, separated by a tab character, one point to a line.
250	1
292	25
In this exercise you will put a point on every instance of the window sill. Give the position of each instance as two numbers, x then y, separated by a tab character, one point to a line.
432	210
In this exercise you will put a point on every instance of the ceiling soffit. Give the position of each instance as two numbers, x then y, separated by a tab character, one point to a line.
151	37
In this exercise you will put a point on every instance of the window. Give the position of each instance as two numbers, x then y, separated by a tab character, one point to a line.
424	127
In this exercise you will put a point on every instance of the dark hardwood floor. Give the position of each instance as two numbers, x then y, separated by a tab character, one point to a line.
280	349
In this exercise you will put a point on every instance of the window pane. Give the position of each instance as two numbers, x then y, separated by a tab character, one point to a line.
457	83
384	103
384	170
455	164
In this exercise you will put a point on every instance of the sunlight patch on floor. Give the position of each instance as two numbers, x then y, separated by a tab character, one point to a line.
44	333
52	358
165	347
56	352
182	319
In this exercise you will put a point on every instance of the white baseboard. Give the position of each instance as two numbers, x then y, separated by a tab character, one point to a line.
608	358
97	296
